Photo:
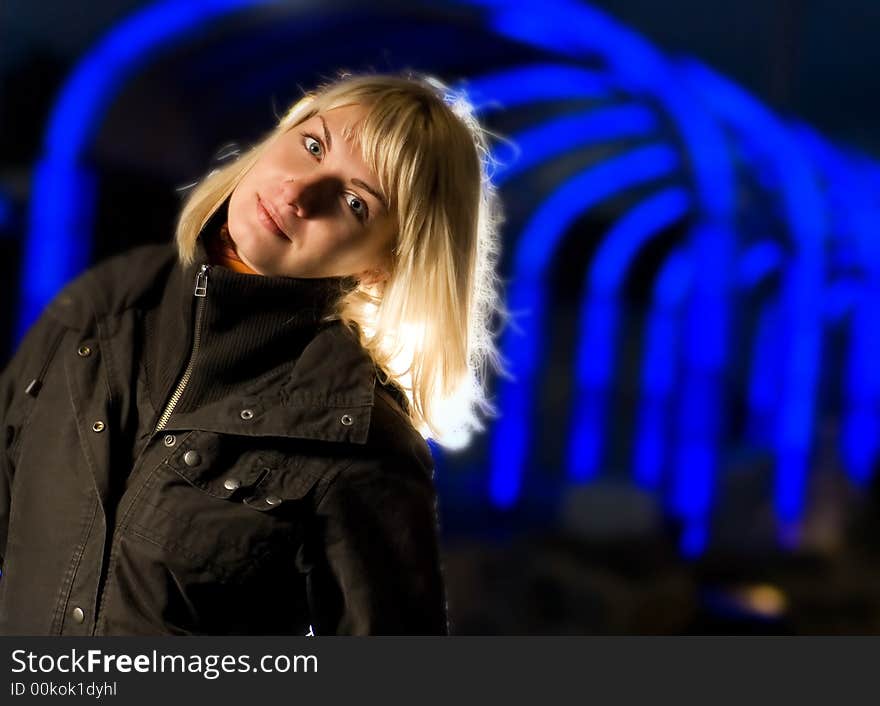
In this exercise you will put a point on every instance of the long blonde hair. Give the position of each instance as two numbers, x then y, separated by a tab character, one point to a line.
429	326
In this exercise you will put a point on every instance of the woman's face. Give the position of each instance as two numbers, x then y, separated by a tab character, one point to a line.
310	206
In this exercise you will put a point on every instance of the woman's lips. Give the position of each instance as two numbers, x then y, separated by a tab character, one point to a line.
268	219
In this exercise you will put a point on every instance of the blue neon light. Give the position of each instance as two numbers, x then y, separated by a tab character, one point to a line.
858	218
693	459
841	298
581	32
804	212
860	448
574	29
512	88
600	313
99	75
765	375
534	249
532	258
696	422
659	367
759	262
562	135
58	244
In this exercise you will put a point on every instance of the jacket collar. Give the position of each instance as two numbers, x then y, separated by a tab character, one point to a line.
270	359
267	342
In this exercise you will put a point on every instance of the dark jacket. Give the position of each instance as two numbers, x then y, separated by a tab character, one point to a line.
218	464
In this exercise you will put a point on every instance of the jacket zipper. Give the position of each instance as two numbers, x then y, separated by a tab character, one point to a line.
201	293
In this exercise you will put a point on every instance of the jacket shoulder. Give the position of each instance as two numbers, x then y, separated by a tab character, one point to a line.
116	283
392	434
346	374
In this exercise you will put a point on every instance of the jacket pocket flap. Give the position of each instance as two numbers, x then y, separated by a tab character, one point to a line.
221	464
248	468
284	483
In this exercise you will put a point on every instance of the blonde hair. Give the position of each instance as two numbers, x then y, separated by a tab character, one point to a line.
429	326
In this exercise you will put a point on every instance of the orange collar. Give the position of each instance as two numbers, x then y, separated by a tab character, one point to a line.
221	251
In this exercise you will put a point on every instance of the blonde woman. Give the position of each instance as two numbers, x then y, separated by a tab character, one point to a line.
228	435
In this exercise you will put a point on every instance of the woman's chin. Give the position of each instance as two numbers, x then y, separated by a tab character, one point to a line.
262	266
261	257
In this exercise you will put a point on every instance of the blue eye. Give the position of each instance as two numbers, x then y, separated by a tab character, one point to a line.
313	146
357	206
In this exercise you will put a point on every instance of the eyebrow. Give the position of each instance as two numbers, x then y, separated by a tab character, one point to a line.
327	138
375	193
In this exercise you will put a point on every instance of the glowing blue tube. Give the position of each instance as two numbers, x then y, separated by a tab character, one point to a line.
804	212
574	29
534	251
696	421
59	236
659	367
765	376
758	262
658	377
761	261
512	88
599	317
860	441
859	217
562	135
580	32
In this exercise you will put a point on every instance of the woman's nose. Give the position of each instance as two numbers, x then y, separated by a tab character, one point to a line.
308	195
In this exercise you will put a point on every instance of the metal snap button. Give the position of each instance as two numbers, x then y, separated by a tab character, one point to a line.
77	614
84	351
232	484
347	420
273	500
170	440
247	414
192	458
98	426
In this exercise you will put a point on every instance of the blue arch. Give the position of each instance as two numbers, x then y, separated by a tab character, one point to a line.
517	86
556	137
532	257
758	263
659	362
58	244
859	218
804	212
669	298
599	320
764	385
582	33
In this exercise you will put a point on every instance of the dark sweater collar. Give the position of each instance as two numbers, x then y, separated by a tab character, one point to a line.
250	327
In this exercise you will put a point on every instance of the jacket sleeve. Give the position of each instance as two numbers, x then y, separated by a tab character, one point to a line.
29	361
376	568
